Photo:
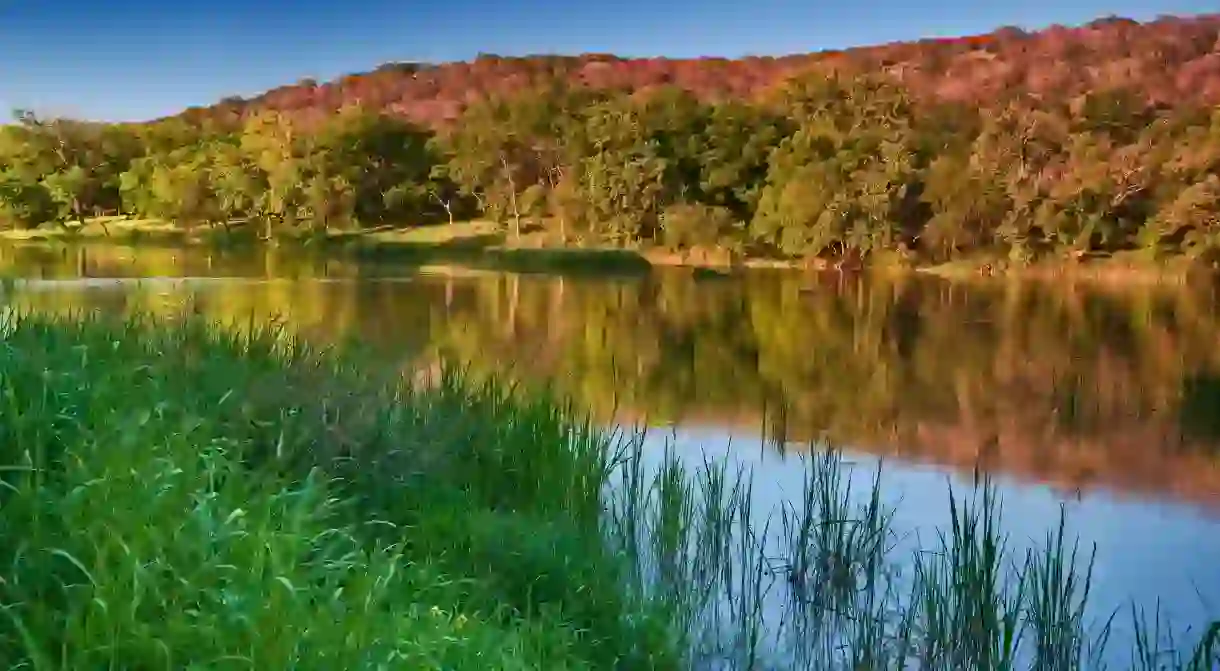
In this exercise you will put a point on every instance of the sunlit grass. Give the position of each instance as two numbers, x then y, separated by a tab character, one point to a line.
438	233
179	497
185	496
96	227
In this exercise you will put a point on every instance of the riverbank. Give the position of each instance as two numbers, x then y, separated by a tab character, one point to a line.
485	243
128	230
1127	269
181	496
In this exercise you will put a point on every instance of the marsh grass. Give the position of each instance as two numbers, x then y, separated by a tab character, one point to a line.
186	496
831	586
180	496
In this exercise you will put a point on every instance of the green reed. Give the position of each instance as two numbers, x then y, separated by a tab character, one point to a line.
831	588
186	497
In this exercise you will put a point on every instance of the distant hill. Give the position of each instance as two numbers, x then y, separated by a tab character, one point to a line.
1171	61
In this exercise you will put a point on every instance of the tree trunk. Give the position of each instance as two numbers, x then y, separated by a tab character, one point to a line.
512	190
555	323
514	299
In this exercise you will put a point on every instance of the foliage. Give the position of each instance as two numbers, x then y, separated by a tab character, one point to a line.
840	182
23	202
1167	61
178	496
1061	144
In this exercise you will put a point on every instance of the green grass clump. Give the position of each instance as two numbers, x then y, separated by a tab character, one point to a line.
177	496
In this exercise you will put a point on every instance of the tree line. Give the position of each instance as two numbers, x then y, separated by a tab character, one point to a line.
840	165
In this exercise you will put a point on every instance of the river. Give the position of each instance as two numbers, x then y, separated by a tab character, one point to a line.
1103	401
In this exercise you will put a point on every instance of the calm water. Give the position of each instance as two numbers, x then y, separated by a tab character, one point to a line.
1106	402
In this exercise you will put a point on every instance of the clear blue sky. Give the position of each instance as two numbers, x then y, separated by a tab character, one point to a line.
133	59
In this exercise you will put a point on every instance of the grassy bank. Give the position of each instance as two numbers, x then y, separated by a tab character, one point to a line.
487	244
484	243
128	230
1124	269
184	498
536	250
181	497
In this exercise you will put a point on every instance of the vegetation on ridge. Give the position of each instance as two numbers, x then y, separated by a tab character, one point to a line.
1169	61
850	159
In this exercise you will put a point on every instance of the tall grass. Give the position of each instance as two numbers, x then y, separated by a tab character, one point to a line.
183	496
839	594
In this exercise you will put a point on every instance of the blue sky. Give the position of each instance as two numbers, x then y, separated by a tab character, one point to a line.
131	59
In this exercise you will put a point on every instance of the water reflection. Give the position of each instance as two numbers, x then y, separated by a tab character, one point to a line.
1106	400
1063	386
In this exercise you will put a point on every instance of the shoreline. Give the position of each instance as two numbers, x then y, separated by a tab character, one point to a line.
478	243
200	513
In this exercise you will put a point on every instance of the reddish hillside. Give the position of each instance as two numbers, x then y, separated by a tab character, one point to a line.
1172	60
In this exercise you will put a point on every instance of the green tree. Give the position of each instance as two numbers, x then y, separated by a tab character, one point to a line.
274	146
378	164
625	180
236	182
735	148
842	182
24	203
